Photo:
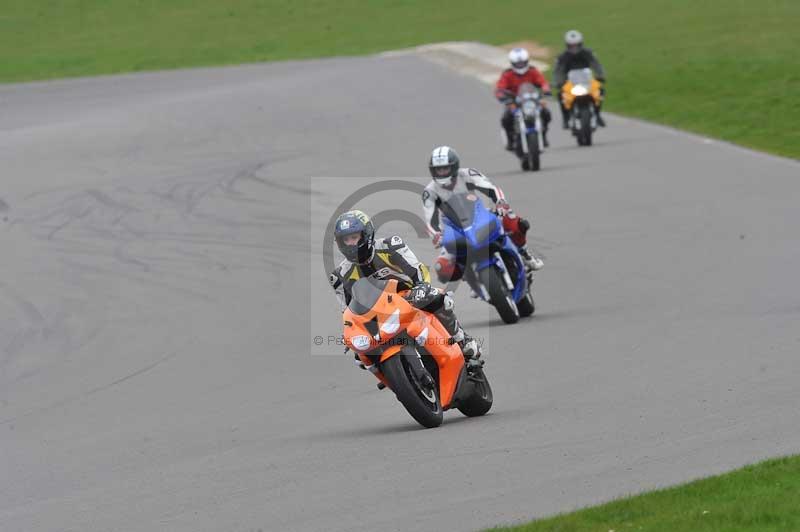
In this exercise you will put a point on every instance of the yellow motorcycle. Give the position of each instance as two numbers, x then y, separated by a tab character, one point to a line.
581	97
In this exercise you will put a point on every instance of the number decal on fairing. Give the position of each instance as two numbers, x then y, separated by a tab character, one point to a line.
383	272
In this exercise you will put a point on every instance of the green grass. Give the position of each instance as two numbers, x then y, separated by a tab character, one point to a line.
763	497
727	68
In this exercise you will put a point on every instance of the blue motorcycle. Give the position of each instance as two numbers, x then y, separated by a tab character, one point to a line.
491	262
528	127
528	138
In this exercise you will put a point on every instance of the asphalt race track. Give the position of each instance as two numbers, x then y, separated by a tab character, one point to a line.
161	282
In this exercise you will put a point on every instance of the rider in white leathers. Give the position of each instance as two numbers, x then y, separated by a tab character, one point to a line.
449	179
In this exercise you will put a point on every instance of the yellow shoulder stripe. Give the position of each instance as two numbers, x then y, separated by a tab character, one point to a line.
426	273
384	255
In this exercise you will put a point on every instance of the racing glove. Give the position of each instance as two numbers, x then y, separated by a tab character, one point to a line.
502	207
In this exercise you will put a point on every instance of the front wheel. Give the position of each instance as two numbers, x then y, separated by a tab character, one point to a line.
526	306
498	295
585	123
533	152
420	401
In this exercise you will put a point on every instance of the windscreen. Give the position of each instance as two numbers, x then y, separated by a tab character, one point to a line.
527	91
581	76
365	293
460	209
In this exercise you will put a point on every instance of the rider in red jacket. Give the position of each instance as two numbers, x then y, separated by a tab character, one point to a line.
507	86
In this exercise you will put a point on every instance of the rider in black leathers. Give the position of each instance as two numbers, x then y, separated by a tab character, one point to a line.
390	258
576	56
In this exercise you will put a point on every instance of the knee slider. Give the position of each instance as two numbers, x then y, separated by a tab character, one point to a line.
448	302
446	270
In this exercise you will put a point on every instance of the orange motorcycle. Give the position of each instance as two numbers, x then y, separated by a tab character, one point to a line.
412	354
581	96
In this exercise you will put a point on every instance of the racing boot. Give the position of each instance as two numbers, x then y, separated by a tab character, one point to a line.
469	348
600	121
531	261
547	117
510	144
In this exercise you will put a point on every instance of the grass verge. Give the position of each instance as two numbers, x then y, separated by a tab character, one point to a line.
726	68
760	498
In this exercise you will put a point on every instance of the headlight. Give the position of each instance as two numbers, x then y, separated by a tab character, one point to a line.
579	90
360	342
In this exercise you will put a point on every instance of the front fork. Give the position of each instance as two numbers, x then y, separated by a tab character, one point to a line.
495	260
418	368
523	133
573	116
502	265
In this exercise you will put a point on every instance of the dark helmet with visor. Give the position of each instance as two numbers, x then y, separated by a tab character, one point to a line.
355	236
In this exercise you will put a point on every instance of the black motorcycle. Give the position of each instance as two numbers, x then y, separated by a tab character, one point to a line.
528	138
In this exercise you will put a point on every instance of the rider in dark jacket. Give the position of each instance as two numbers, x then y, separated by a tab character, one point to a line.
574	57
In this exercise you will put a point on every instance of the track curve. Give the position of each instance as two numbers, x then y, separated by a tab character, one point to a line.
157	368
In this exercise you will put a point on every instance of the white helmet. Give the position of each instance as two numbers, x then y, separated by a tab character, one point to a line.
444	165
574	40
518	57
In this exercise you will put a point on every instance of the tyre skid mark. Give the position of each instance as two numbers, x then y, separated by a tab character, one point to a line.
111	215
73	398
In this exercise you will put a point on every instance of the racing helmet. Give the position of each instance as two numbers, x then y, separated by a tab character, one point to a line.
355	236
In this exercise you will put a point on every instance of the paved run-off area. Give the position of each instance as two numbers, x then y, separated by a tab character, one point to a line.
160	259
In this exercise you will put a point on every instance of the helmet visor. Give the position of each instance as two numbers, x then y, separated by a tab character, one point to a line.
349	244
351	240
441	173
519	65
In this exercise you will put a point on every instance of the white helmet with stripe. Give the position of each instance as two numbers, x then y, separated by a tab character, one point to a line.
519	58
443	165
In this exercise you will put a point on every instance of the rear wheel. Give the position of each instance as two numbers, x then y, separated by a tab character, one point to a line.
480	400
422	402
499	296
533	152
525	305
